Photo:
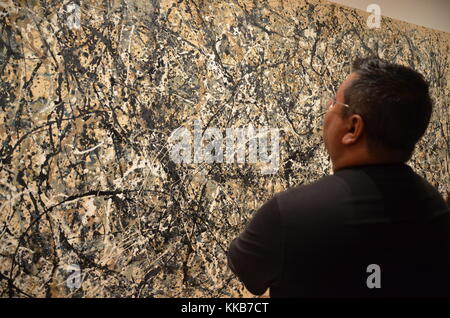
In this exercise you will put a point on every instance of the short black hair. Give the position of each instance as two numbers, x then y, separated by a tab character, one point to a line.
394	102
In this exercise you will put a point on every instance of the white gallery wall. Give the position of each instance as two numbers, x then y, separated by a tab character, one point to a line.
433	14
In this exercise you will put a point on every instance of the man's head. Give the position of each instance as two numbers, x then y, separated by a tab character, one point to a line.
389	111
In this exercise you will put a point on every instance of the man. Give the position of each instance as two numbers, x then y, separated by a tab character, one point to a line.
374	227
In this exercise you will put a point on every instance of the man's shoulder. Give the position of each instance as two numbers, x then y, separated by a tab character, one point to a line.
326	182
323	190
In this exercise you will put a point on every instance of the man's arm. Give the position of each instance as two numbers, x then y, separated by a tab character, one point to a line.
256	255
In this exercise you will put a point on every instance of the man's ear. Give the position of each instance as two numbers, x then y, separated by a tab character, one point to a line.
355	128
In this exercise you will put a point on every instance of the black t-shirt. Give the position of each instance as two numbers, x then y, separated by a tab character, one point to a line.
321	239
